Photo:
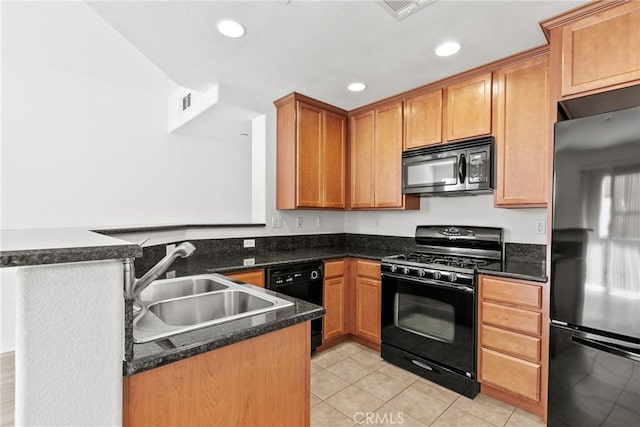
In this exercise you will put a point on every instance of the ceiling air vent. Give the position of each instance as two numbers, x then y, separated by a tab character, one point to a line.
400	9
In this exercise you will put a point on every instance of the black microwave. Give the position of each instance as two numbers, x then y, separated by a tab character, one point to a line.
453	169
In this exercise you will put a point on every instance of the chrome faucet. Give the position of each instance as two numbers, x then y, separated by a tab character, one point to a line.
133	287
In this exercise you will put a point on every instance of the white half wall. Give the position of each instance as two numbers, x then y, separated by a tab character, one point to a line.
69	344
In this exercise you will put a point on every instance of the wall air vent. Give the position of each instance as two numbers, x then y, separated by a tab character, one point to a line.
400	9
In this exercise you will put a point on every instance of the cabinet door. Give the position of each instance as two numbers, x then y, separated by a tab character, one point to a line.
601	50
361	160
468	111
423	120
334	145
368	309
254	277
334	304
309	156
388	156
522	133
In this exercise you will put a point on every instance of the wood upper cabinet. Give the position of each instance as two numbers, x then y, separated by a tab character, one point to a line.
376	160
311	158
601	51
468	108
423	120
253	277
361	146
512	342
368	291
388	156
521	126
334	299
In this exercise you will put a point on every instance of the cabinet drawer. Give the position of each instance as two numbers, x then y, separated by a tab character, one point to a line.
511	374
334	268
512	318
516	293
511	343
368	269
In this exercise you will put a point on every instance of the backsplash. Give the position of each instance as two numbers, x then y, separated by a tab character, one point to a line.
519	252
525	252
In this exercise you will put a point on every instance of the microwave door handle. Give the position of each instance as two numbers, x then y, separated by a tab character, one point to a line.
462	168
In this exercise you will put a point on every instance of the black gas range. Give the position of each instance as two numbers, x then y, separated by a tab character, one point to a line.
429	303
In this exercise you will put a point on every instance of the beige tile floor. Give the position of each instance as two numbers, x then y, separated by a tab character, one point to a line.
352	386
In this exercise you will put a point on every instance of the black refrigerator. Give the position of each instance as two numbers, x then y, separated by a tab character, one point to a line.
594	351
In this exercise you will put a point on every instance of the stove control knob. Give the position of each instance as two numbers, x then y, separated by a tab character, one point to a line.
453	277
406	270
421	273
436	275
394	268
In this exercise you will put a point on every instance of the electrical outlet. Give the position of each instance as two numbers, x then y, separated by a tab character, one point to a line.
249	261
320	222
170	248
300	222
541	226
249	243
171	274
276	221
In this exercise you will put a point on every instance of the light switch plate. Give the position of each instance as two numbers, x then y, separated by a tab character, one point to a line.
249	243
249	261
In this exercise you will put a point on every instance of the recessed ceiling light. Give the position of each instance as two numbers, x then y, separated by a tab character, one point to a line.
230	28
447	49
357	87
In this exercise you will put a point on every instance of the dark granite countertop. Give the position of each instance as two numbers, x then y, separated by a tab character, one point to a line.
531	271
516	267
61	245
158	353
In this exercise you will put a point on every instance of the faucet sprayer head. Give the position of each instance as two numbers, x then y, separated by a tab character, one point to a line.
185	249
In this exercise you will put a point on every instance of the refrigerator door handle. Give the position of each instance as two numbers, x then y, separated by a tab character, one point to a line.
606	347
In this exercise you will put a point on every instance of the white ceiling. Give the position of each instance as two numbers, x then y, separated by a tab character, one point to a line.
318	47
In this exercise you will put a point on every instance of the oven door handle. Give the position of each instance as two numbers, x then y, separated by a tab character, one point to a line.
429	282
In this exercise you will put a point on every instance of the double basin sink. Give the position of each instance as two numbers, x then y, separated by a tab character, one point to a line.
174	306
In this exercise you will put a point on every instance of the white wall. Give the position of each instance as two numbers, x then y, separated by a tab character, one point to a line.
84	141
518	224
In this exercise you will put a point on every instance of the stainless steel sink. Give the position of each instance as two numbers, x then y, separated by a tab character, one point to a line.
205	308
174	306
180	287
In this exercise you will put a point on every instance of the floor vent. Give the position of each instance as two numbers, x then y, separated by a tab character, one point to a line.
400	9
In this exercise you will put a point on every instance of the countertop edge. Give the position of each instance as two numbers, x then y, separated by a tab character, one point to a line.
33	257
133	367
510	275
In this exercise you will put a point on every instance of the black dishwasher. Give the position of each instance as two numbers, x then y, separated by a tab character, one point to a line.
302	281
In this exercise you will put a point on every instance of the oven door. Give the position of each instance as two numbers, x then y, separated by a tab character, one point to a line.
432	320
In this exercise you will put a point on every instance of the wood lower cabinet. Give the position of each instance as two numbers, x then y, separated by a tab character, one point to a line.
262	381
254	277
601	51
311	154
375	153
513	342
334	324
468	108
521	124
423	120
368	291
